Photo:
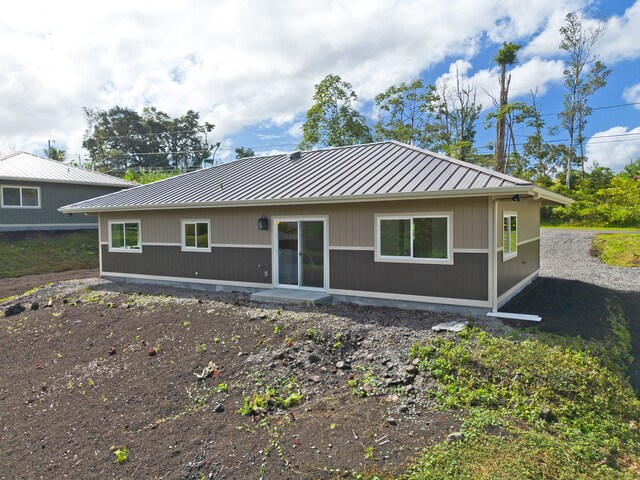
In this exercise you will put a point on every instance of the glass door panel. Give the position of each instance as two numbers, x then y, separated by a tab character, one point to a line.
312	253
288	253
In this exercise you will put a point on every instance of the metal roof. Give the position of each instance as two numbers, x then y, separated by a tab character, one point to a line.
31	168
385	169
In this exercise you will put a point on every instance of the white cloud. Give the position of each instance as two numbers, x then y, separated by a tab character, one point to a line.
614	148
237	62
535	74
632	94
619	41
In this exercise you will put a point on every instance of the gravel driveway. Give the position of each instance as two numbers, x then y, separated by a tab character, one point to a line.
565	254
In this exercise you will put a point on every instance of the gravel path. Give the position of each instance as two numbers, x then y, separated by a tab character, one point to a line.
565	254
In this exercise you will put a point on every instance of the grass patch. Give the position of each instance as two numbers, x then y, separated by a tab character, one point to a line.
531	409
618	250
47	253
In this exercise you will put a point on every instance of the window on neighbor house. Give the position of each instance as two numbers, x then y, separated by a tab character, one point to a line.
414	238
125	236
509	235
195	235
20	197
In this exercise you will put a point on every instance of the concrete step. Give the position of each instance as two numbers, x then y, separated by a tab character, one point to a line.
285	295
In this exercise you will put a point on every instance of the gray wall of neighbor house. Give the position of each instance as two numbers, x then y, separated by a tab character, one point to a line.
526	261
52	197
242	253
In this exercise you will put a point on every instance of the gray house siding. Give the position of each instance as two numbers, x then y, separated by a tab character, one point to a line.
52	196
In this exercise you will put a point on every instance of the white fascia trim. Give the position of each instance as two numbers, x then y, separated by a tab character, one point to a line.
513	291
71	182
363	249
411	298
187	280
507	192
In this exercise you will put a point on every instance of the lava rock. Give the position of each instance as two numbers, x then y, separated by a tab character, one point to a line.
392	422
152	352
315	378
34	306
14	310
218	408
112	350
343	365
412	370
455	437
314	358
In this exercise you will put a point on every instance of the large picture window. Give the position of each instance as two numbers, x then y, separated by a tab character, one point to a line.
424	238
196	235
20	197
124	236
509	235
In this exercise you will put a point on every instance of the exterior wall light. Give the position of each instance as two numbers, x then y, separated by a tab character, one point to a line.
515	198
263	223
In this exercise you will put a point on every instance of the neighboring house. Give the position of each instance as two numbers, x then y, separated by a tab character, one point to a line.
372	223
32	189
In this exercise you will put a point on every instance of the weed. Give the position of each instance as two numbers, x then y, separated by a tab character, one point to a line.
186	323
201	347
284	395
368	454
222	388
121	453
276	329
312	334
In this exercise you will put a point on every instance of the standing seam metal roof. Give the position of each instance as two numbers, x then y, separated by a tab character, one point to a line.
32	168
371	169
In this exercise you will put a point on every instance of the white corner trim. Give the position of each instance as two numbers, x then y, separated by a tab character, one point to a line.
187	280
411	298
513	291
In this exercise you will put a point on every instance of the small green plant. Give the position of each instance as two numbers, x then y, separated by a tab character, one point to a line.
222	388
186	323
201	347
285	395
121	453
312	334
276	329
368	454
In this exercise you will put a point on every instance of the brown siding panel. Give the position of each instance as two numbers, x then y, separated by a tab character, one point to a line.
357	270
518	268
350	224
528	211
226	264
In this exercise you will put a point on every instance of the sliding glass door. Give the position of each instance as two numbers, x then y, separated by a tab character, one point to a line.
301	255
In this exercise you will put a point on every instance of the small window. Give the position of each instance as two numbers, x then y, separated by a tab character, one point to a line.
421	238
509	236
125	236
196	235
20	197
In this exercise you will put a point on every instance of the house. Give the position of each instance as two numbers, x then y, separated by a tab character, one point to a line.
32	189
369	223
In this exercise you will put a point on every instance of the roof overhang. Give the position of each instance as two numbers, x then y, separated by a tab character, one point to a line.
68	182
522	190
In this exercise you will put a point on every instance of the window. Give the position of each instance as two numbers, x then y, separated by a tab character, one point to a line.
20	197
509	235
124	236
425	238
196	236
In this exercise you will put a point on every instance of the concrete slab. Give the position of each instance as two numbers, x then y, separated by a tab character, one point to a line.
285	295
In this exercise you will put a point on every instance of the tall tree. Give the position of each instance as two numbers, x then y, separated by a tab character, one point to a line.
583	76
405	111
121	138
242	152
55	154
506	56
453	130
332	120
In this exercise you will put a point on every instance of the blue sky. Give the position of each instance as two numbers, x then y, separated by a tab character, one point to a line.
249	67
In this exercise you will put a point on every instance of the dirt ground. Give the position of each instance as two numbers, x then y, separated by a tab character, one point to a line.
67	403
16	286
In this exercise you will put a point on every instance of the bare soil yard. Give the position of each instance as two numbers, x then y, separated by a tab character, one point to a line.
78	380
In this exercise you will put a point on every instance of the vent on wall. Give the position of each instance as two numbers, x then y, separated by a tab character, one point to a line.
295	155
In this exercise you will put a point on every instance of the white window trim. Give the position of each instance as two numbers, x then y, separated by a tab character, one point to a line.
183	242
126	250
20	187
510	255
410	216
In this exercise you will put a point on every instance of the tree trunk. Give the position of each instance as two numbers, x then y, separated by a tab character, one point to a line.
499	160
